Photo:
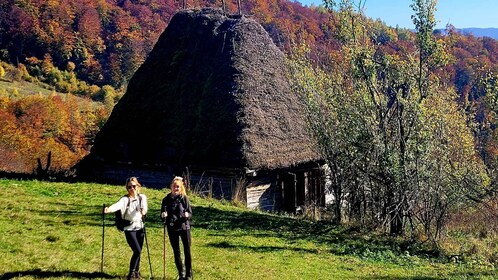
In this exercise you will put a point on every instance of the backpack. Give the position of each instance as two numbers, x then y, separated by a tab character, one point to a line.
118	217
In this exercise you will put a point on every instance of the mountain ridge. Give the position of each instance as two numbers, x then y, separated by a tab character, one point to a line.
491	32
480	32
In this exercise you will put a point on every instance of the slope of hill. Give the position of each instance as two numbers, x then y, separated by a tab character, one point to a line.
65	222
42	130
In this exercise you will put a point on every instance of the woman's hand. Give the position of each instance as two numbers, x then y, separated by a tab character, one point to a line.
164	214
186	214
106	210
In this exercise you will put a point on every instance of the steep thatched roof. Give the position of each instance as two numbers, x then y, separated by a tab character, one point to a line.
213	92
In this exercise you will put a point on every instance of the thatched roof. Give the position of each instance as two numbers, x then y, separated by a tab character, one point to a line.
213	92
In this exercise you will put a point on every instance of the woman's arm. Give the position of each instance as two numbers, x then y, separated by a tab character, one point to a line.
164	213
119	205
145	206
188	208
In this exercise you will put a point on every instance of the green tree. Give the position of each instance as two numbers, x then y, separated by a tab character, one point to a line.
334	120
389	130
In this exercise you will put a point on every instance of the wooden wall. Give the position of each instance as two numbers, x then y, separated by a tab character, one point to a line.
264	194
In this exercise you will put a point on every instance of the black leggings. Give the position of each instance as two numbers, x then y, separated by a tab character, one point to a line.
135	239
174	240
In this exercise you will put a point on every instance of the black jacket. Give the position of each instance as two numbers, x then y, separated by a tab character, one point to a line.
176	208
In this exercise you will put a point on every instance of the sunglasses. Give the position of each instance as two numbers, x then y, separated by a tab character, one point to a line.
132	186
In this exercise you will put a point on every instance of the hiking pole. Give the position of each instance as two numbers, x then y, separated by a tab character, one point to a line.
103	234
148	252
164	247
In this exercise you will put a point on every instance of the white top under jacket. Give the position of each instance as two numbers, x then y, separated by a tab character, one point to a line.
133	212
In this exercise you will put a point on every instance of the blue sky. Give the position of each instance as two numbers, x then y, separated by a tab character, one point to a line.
460	13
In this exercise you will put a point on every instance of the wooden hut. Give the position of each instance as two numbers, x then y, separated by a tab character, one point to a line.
213	97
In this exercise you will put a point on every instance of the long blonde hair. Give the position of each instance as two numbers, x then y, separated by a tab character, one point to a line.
178	181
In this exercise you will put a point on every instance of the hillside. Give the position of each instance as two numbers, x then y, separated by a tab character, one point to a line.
108	40
65	223
44	131
104	42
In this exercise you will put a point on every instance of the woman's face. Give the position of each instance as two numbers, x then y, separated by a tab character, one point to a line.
132	187
175	189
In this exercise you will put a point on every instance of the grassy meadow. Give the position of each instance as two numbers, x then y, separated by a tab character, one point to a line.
54	231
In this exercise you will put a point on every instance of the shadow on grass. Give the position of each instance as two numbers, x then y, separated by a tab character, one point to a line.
38	273
338	240
457	275
401	278
88	214
259	249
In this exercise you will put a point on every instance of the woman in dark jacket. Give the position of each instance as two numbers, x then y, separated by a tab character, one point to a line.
176	213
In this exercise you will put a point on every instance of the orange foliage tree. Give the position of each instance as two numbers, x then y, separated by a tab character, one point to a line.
33	126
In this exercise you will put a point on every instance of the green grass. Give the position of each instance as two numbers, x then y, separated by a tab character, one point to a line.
54	230
8	85
24	88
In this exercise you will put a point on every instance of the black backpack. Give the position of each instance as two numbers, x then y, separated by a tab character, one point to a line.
118	218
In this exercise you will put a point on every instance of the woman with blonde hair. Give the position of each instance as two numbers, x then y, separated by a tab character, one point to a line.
176	213
133	208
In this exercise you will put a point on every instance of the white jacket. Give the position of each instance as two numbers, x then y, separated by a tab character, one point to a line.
133	212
